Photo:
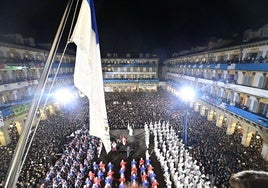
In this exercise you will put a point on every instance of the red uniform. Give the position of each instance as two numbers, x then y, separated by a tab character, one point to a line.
141	162
123	164
122	179
155	184
91	175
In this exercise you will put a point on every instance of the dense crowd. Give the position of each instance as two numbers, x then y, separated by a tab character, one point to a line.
51	135
179	168
221	154
137	108
217	154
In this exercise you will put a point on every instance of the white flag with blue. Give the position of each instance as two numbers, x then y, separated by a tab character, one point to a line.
88	71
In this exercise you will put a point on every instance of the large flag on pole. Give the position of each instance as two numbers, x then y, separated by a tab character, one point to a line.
88	71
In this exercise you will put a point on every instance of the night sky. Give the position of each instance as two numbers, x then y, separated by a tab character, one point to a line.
153	26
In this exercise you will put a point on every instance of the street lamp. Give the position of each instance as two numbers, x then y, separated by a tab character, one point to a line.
187	94
64	96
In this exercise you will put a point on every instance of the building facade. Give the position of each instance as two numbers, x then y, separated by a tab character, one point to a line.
21	68
231	85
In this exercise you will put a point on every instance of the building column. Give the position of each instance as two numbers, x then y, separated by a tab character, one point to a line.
43	114
264	151
210	115
219	120
4	136
51	109
197	107
203	110
231	124
247	135
19	127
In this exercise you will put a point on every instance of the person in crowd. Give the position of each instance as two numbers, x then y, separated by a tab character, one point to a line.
114	146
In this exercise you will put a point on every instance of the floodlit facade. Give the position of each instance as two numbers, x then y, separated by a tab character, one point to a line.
231	82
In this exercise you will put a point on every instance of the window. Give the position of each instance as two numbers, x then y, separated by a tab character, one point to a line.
261	82
254	106
247	80
230	97
248	103
263	109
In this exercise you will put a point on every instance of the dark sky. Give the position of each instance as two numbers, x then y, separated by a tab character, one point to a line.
153	26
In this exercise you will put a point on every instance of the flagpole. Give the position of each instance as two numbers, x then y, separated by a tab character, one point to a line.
16	162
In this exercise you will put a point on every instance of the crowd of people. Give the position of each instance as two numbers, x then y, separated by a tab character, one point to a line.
179	168
72	167
221	154
217	154
48	144
136	108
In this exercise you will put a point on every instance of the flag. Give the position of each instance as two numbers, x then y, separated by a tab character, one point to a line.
88	71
